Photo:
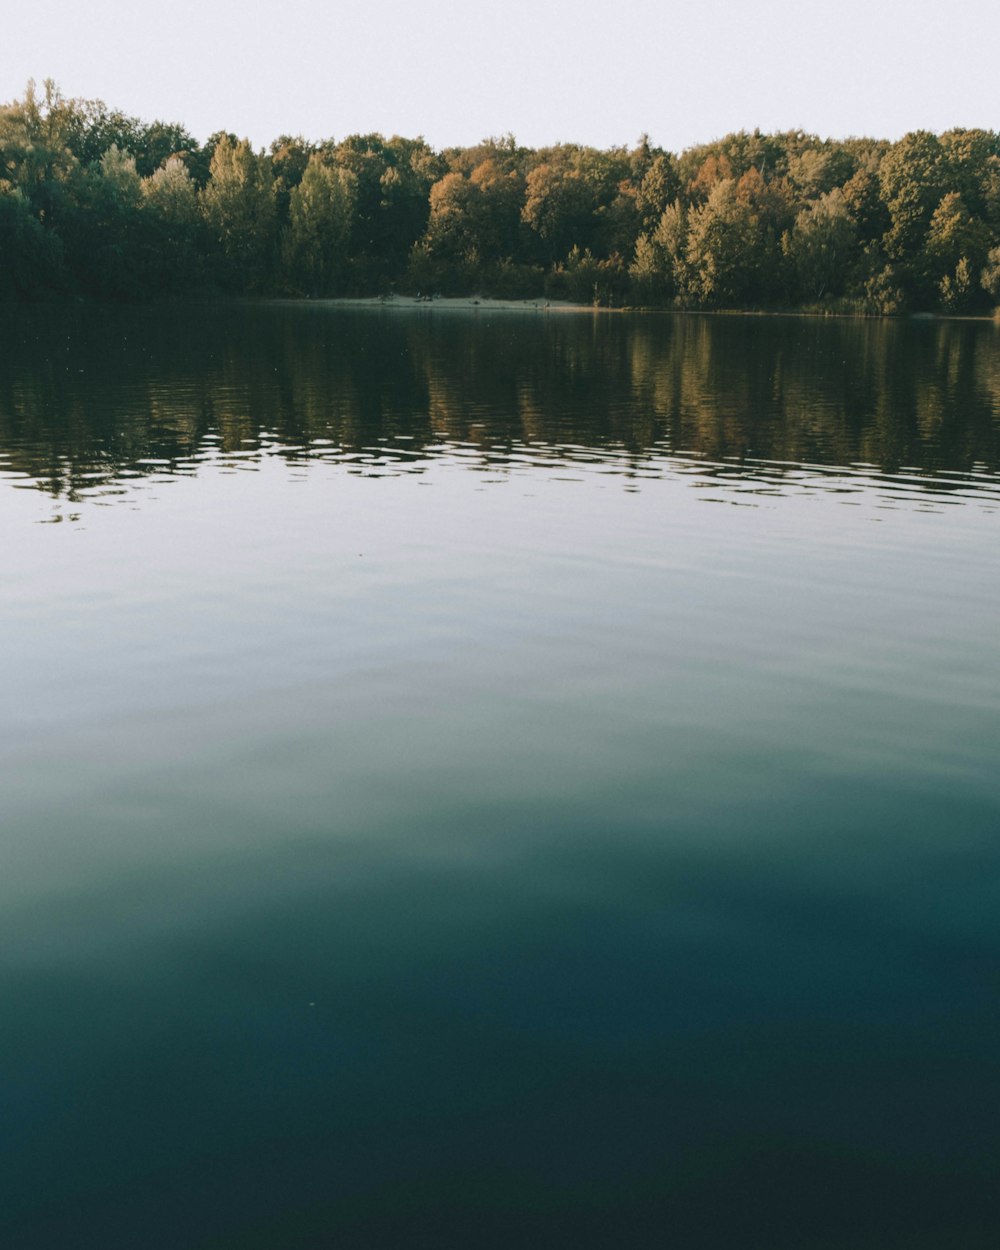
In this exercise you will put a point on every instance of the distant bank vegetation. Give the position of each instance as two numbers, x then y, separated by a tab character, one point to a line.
96	203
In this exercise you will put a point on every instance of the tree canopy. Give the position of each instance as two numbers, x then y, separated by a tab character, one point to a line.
95	202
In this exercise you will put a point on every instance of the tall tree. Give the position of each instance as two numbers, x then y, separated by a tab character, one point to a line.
319	223
392	180
913	176
820	247
559	204
174	228
36	155
659	264
722	239
239	207
31	261
957	246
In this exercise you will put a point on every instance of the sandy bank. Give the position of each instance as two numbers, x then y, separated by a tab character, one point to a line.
471	303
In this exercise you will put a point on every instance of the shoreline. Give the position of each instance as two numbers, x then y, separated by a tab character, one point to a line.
484	303
448	303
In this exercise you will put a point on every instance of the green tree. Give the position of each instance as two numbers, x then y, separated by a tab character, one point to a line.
913	176
31	262
103	235
733	244
647	272
559	204
555	203
819	168
883	292
238	205
92	129
968	155
391	206
289	158
658	268
721	243
319	224
160	141
958	290
820	247
862	194
36	156
989	278
171	192
587	279
174	228
956	250
475	222
659	187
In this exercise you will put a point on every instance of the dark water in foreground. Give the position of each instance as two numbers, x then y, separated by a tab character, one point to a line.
498	780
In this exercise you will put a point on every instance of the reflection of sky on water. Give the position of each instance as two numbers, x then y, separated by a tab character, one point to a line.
748	482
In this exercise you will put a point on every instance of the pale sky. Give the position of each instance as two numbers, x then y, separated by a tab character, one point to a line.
684	71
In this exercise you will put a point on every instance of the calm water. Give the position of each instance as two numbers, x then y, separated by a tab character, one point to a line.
498	779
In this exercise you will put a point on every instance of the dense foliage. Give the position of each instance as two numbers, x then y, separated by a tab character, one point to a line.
97	203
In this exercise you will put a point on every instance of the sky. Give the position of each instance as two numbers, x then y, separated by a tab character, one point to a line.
546	71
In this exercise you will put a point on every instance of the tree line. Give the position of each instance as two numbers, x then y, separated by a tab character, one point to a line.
97	203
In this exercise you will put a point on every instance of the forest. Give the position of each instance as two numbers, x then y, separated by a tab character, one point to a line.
97	204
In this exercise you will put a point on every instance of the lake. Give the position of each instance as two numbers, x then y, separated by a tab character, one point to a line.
498	779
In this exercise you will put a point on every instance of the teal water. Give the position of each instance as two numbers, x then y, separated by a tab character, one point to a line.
498	780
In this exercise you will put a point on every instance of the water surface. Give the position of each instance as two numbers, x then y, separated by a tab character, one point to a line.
498	779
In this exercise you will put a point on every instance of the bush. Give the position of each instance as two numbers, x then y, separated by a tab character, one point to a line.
586	280
883	295
511	280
